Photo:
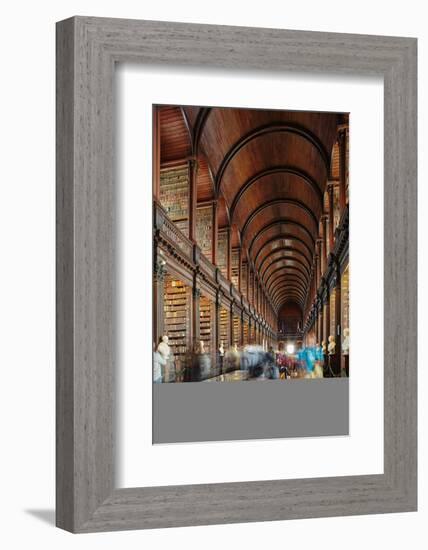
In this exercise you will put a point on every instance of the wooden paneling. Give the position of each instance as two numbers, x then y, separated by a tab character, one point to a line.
175	141
204	181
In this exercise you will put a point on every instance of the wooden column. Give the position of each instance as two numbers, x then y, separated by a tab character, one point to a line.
324	243
316	273
256	293
158	299
193	167
248	279
319	262
156	153
231	335
316	322
214	237
338	329
327	316
217	322
330	190
342	169
196	294
239	268
229	254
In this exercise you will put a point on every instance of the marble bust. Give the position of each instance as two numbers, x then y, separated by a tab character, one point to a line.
331	345
163	347
345	343
221	348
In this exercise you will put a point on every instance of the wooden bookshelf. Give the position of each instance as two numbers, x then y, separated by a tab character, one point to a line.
333	313
174	195
204	229
206	323
326	328
336	206
235	266
345	299
251	295
222	245
244	268
224	327
246	334
236	330
176	316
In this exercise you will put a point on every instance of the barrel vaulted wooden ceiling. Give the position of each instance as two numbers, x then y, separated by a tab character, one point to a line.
268	170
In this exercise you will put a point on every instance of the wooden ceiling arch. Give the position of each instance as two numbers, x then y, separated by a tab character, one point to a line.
280	298
286	278
282	276
277	290
279	262
282	237
284	269
281	201
286	284
292	249
271	128
304	176
268	170
269	269
287	289
279	222
201	120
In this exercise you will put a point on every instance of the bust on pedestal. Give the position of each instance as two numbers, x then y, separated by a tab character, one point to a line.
331	348
166	360
345	350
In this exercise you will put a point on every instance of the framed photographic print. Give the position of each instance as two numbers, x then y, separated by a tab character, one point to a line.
236	274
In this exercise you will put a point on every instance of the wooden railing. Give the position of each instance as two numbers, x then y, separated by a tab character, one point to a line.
178	242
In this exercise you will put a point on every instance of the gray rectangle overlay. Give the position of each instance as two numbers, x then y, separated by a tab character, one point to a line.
220	411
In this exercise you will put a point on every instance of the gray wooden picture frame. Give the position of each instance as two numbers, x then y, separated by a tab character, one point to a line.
87	50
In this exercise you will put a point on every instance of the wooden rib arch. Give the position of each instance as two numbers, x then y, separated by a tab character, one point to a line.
282	249
278	201
285	278
281	237
286	258
304	176
281	221
274	127
289	267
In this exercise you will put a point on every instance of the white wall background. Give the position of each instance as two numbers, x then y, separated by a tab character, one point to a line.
27	272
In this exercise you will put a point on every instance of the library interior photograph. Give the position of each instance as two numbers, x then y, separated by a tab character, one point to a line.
250	244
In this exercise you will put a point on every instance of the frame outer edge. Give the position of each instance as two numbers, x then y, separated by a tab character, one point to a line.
65	41
86	498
